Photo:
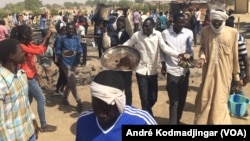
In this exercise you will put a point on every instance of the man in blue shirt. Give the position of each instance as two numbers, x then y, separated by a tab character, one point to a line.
104	122
69	49
43	25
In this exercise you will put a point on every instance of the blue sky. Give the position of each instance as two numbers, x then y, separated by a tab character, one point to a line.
4	2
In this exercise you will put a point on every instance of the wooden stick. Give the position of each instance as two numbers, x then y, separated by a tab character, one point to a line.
238	24
92	36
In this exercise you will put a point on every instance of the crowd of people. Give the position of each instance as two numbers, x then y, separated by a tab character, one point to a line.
159	37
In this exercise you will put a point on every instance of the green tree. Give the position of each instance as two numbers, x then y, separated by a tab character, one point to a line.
230	2
68	5
124	3
94	2
139	1
32	5
3	13
54	12
14	8
56	6
89	2
48	6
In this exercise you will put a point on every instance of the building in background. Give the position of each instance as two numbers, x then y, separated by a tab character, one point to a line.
242	6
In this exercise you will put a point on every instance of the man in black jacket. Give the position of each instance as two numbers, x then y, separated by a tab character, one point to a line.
112	38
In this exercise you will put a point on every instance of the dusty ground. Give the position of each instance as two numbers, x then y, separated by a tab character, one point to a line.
65	117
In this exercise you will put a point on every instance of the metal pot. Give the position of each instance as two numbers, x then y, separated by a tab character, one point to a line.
103	11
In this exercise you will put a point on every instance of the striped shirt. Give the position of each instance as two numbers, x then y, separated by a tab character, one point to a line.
242	51
15	112
88	128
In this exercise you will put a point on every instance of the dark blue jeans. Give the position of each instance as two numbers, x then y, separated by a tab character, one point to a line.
195	35
148	90
44	32
177	87
198	27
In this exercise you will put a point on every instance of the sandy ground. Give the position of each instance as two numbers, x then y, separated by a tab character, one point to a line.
65	117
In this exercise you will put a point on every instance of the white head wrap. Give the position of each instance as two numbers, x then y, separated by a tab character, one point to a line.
218	15
109	95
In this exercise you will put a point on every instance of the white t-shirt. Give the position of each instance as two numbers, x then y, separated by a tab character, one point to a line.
81	32
198	15
58	18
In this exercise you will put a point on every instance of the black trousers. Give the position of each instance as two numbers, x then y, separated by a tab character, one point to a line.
62	80
148	90
84	54
177	87
127	77
99	45
136	27
44	32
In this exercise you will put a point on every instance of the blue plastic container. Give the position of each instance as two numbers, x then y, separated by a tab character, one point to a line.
238	104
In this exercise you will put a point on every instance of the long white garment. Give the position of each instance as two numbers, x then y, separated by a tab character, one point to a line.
221	54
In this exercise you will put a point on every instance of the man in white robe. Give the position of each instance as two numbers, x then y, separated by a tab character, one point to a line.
218	60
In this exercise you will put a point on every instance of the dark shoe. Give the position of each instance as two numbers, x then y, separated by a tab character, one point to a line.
79	108
66	102
61	90
58	93
45	87
48	128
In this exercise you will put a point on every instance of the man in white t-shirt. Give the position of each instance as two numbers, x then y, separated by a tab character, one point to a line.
59	17
198	19
80	30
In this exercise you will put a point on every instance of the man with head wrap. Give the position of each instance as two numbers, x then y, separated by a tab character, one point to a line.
104	122
218	60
